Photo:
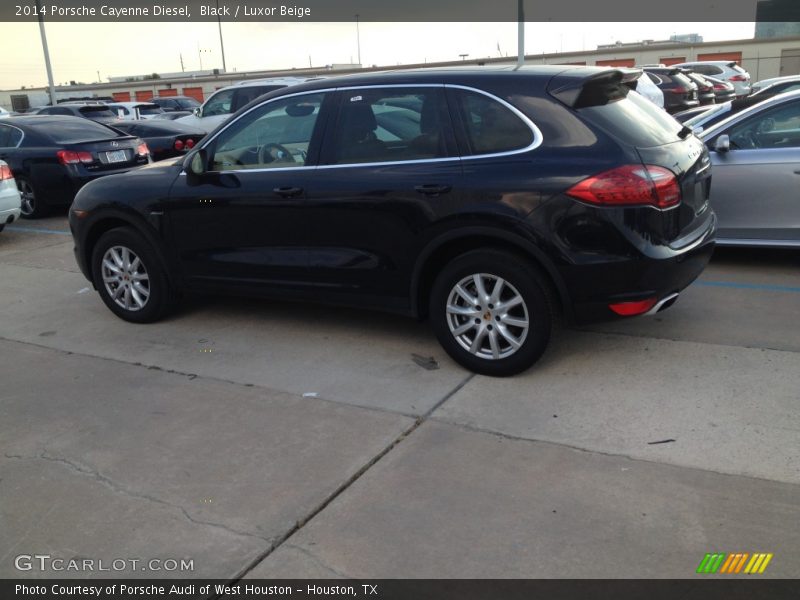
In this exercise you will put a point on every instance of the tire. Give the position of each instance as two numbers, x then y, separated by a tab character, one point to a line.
521	318
144	295
32	206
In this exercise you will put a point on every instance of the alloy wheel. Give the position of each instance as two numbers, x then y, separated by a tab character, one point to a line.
125	278
487	316
27	197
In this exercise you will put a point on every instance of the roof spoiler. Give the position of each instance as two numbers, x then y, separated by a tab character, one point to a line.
594	90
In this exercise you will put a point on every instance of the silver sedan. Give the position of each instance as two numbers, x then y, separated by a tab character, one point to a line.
755	187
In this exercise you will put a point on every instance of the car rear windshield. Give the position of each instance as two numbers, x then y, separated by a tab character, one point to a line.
93	112
634	120
149	109
78	130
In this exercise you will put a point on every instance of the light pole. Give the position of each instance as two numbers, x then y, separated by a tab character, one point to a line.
50	83
520	33
358	41
221	45
200	55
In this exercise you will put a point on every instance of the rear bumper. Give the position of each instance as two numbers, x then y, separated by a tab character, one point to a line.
593	287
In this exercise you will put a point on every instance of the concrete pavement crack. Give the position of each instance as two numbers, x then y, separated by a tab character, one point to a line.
317	560
349	482
119	489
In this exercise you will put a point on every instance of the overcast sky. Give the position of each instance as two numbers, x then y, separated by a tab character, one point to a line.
79	50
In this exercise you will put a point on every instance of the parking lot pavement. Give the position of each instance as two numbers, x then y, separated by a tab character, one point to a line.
106	459
449	502
654	440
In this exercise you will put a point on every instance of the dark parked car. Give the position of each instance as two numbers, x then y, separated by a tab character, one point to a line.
165	139
492	201
705	89
723	90
173	103
52	157
680	92
96	112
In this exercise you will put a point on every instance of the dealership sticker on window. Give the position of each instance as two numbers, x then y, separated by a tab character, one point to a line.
356	99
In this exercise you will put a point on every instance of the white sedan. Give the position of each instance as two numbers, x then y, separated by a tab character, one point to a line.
10	202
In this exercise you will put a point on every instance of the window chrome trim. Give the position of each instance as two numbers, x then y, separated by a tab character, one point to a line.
537	134
19	143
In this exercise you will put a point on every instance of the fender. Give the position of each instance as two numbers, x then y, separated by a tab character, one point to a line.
150	228
504	235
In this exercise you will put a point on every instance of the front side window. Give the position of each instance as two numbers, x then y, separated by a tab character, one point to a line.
220	103
390	125
490	126
776	128
275	135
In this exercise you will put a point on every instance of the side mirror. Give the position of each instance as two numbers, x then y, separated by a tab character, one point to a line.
197	165
197	110
723	144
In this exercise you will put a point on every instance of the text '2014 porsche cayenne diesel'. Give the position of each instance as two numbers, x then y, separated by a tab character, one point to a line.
495	202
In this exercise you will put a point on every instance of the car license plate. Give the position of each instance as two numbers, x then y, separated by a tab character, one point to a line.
116	156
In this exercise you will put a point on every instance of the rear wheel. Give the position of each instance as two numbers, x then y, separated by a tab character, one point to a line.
31	206
129	276
493	312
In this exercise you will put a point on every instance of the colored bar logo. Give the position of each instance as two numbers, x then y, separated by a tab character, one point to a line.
737	562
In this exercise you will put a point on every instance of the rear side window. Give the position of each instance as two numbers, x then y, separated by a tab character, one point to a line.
79	130
634	120
10	137
490	126
55	110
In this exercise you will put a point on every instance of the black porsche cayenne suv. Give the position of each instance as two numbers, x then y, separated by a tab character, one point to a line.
495	202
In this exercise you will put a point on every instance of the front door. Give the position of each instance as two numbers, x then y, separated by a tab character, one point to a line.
242	222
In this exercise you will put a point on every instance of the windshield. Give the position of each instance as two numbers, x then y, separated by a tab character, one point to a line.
75	130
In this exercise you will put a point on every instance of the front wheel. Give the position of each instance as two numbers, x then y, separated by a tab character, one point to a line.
130	277
493	312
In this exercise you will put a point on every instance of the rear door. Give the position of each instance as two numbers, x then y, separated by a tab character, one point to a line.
389	169
757	183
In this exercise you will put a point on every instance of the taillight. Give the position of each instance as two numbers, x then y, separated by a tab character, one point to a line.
70	157
178	145
142	149
720	86
190	143
679	89
630	185
5	172
738	78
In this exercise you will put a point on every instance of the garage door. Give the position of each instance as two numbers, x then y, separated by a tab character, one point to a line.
121	96
194	92
168	92
737	56
672	60
143	95
619	62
